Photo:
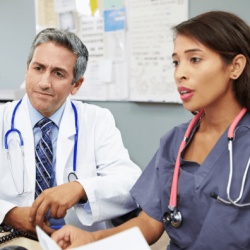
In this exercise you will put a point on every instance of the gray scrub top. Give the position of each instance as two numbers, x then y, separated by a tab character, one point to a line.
207	223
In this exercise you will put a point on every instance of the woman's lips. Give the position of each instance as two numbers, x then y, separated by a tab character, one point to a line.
185	93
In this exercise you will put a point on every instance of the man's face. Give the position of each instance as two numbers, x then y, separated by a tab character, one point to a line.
49	77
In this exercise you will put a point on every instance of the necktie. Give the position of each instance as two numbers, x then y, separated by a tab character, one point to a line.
44	156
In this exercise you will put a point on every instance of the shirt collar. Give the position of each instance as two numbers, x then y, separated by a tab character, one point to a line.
35	116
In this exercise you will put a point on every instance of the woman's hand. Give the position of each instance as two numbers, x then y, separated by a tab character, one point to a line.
70	237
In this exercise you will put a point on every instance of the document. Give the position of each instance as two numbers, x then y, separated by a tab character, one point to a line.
109	4
64	5
106	77
91	34
151	48
131	239
46	14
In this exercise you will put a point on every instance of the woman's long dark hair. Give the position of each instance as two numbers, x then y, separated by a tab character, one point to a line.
228	35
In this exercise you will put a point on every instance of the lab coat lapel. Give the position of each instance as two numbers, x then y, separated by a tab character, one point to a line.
23	123
65	141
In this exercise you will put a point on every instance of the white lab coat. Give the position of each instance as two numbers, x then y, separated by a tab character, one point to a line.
103	165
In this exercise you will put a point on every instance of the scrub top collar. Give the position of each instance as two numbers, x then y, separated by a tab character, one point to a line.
201	171
35	116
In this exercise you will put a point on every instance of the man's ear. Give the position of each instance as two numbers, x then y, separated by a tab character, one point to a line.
77	85
238	64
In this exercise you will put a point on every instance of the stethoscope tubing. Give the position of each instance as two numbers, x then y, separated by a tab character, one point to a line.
174	188
76	137
12	128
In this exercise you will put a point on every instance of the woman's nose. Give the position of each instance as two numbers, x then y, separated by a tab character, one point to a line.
181	72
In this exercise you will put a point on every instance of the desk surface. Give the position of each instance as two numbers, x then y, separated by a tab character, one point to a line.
21	241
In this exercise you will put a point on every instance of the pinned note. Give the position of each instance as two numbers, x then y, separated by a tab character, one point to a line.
106	70
114	19
109	4
93	6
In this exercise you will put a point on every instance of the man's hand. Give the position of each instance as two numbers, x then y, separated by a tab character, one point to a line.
18	217
70	237
58	199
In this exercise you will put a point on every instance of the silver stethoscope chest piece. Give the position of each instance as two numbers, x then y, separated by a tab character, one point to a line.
72	177
174	217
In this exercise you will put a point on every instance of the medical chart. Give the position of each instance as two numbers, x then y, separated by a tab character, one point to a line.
151	47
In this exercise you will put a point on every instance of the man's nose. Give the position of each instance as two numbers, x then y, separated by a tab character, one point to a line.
45	81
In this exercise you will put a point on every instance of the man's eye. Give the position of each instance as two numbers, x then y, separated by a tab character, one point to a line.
38	68
58	74
176	63
195	59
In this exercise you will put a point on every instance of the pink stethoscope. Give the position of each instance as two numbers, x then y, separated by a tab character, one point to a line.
174	216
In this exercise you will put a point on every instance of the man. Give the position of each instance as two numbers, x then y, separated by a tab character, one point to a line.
94	193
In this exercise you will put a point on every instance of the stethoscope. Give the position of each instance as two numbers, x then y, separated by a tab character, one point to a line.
72	175
174	216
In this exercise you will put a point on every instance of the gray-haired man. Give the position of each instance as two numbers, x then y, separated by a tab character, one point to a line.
48	122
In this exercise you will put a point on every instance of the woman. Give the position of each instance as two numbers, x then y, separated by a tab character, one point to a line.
212	70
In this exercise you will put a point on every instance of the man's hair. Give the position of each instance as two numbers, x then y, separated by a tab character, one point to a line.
68	40
228	35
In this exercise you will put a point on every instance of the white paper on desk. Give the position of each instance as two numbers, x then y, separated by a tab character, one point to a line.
46	242
131	239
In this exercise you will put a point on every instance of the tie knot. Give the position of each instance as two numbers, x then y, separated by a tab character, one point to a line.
45	125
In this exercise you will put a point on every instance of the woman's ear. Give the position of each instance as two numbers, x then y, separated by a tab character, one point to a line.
238	64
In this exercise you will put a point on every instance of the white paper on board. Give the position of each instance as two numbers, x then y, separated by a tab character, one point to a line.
106	70
64	5
151	47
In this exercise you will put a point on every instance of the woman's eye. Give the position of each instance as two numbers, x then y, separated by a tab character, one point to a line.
195	59
176	63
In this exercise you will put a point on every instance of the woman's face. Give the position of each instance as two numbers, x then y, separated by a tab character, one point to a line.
202	78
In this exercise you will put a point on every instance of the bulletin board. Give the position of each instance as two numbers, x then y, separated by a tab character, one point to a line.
130	45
